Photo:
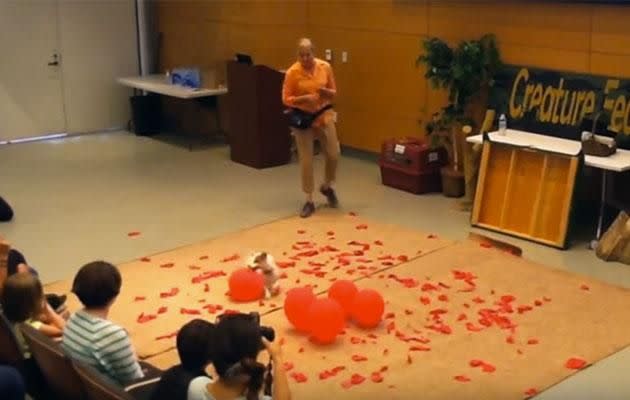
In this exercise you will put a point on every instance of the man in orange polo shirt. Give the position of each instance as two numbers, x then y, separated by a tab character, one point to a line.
309	85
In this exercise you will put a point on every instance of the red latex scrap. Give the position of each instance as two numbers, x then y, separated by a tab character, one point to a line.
301	231
362	227
402	258
472	328
139	298
427	287
357	379
359	358
285	264
167	265
355	340
462	317
462	378
329	249
173	292
408	312
532	341
441	328
167	336
299	377
144	318
419	348
585	287
233	257
162	310
288	366
352	214
478	300
575	363
206	287
538	303
425	300
194	267
432	236
531	392
189	311
409	359
443	297
203	258
134	234
378	243
145	259
524	309
406	282
309	253
376	377
391	327
207	275
485	366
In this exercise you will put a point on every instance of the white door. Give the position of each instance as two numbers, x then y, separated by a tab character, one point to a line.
31	100
99	42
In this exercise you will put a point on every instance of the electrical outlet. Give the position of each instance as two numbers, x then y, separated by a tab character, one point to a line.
328	54
344	57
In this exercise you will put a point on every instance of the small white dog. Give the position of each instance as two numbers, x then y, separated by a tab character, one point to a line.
264	264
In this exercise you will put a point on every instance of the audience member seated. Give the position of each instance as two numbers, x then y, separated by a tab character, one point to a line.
17	264
89	336
11	384
23	302
240	375
6	212
195	342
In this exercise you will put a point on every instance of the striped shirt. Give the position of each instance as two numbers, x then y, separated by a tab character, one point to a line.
102	345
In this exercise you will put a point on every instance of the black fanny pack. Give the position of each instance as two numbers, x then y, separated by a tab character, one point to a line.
303	120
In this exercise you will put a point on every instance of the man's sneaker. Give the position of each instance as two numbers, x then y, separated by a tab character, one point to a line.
331	196
308	209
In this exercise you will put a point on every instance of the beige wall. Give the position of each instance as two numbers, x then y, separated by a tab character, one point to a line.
382	94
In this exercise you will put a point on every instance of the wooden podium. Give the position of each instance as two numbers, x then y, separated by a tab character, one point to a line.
259	131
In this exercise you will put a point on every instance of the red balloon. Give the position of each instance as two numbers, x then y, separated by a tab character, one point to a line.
246	285
368	308
296	306
327	320
343	292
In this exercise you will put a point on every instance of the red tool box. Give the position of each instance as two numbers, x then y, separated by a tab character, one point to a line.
412	165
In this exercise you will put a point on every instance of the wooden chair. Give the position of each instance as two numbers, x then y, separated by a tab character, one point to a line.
55	366
11	354
97	386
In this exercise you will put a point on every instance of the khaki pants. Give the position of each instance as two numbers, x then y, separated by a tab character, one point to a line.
304	139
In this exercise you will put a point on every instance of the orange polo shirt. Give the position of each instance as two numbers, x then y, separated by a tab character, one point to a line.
298	82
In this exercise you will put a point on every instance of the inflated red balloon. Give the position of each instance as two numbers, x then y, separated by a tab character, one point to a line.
368	308
246	285
327	320
296	307
343	292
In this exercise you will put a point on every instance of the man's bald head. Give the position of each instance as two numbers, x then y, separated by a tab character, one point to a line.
305	44
306	53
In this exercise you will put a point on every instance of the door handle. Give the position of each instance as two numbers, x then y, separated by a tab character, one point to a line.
55	60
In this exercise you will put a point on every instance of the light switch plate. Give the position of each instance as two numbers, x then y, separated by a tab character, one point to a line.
328	54
344	57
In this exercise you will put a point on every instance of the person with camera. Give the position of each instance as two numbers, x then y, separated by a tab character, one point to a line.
239	340
308	90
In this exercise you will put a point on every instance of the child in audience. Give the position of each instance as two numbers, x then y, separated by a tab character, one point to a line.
241	376
16	264
23	302
195	342
89	336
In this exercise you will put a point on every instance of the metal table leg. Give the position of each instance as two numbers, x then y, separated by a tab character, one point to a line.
602	209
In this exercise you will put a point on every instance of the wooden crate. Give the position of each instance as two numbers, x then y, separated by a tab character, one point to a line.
525	192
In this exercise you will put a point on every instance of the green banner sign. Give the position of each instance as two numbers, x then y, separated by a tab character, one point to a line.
558	103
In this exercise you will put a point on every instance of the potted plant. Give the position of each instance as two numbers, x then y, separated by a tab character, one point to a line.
467	72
